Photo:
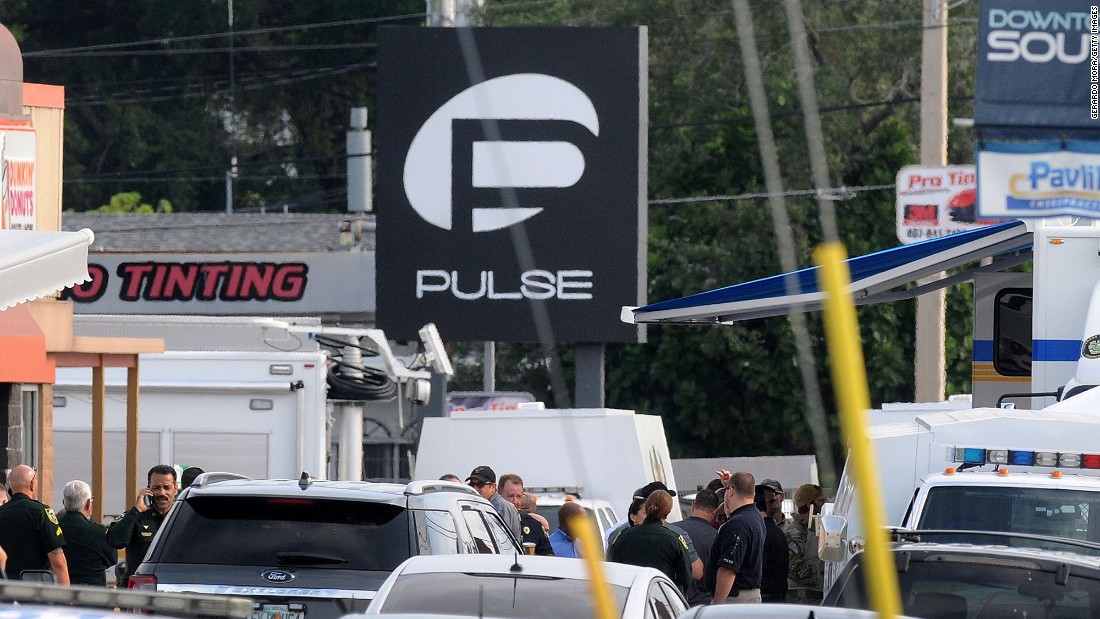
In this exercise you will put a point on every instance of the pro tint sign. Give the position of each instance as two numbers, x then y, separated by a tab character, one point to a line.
512	182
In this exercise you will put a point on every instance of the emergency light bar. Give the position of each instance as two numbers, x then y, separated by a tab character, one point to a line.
1015	457
192	605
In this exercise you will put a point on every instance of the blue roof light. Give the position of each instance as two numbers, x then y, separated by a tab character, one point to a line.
973	455
1021	458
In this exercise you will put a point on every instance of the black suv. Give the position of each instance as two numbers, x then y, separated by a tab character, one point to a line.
311	549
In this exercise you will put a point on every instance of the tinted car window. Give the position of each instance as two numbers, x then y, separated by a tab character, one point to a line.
550	512
284	531
492	595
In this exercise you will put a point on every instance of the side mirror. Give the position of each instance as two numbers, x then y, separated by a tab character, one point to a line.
831	534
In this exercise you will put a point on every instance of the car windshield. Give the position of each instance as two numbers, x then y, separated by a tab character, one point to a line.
550	512
1055	512
494	595
952	585
289	532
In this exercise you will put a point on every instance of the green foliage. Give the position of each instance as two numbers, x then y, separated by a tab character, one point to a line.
169	121
168	116
130	202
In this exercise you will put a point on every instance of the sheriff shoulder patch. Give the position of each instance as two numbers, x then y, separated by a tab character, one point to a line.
51	516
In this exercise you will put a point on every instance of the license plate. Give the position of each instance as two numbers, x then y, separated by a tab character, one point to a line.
277	611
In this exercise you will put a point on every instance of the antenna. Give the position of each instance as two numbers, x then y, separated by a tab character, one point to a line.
516	567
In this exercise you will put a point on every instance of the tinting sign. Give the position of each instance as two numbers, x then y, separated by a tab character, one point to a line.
511	182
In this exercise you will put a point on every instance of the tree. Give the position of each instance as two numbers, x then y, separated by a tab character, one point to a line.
130	202
165	114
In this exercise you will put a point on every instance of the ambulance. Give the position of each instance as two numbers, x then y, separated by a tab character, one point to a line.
1027	460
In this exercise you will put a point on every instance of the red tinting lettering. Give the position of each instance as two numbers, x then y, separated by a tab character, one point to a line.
180	281
211	275
231	291
132	274
88	292
290	281
198	281
256	281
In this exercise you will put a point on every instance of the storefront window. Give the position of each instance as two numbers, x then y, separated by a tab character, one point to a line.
29	444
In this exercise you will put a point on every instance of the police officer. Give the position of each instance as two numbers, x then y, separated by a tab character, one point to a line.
29	531
735	568
804	577
135	529
86	549
651	544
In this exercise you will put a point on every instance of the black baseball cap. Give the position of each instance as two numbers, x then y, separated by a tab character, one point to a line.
650	488
483	474
770	484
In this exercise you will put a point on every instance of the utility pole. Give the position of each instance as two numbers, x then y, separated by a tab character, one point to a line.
931	332
452	14
232	173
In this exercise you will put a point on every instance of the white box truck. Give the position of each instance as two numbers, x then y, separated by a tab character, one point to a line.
598	453
261	414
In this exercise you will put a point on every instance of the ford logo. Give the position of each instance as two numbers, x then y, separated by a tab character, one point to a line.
277	576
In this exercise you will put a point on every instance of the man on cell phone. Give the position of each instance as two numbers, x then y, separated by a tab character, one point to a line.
804	576
135	529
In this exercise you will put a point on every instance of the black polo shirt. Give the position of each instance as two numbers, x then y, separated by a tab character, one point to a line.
28	532
739	547
773	587
86	550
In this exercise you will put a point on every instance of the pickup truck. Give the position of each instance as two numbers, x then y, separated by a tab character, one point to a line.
940	578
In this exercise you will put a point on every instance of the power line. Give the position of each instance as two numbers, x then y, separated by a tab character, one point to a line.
204	37
213	50
202	90
119	176
837	193
836	108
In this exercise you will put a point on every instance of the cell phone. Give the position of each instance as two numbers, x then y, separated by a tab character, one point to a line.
148	500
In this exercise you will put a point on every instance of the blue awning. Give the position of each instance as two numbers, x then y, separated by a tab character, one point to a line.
872	276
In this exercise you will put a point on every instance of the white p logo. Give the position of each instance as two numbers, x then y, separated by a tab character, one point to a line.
524	96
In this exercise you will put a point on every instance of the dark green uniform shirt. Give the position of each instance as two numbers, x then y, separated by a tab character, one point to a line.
650	544
28	532
86	550
134	531
533	533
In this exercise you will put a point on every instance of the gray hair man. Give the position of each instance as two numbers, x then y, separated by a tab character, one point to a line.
86	550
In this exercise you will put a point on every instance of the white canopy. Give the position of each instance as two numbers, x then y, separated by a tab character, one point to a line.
35	263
